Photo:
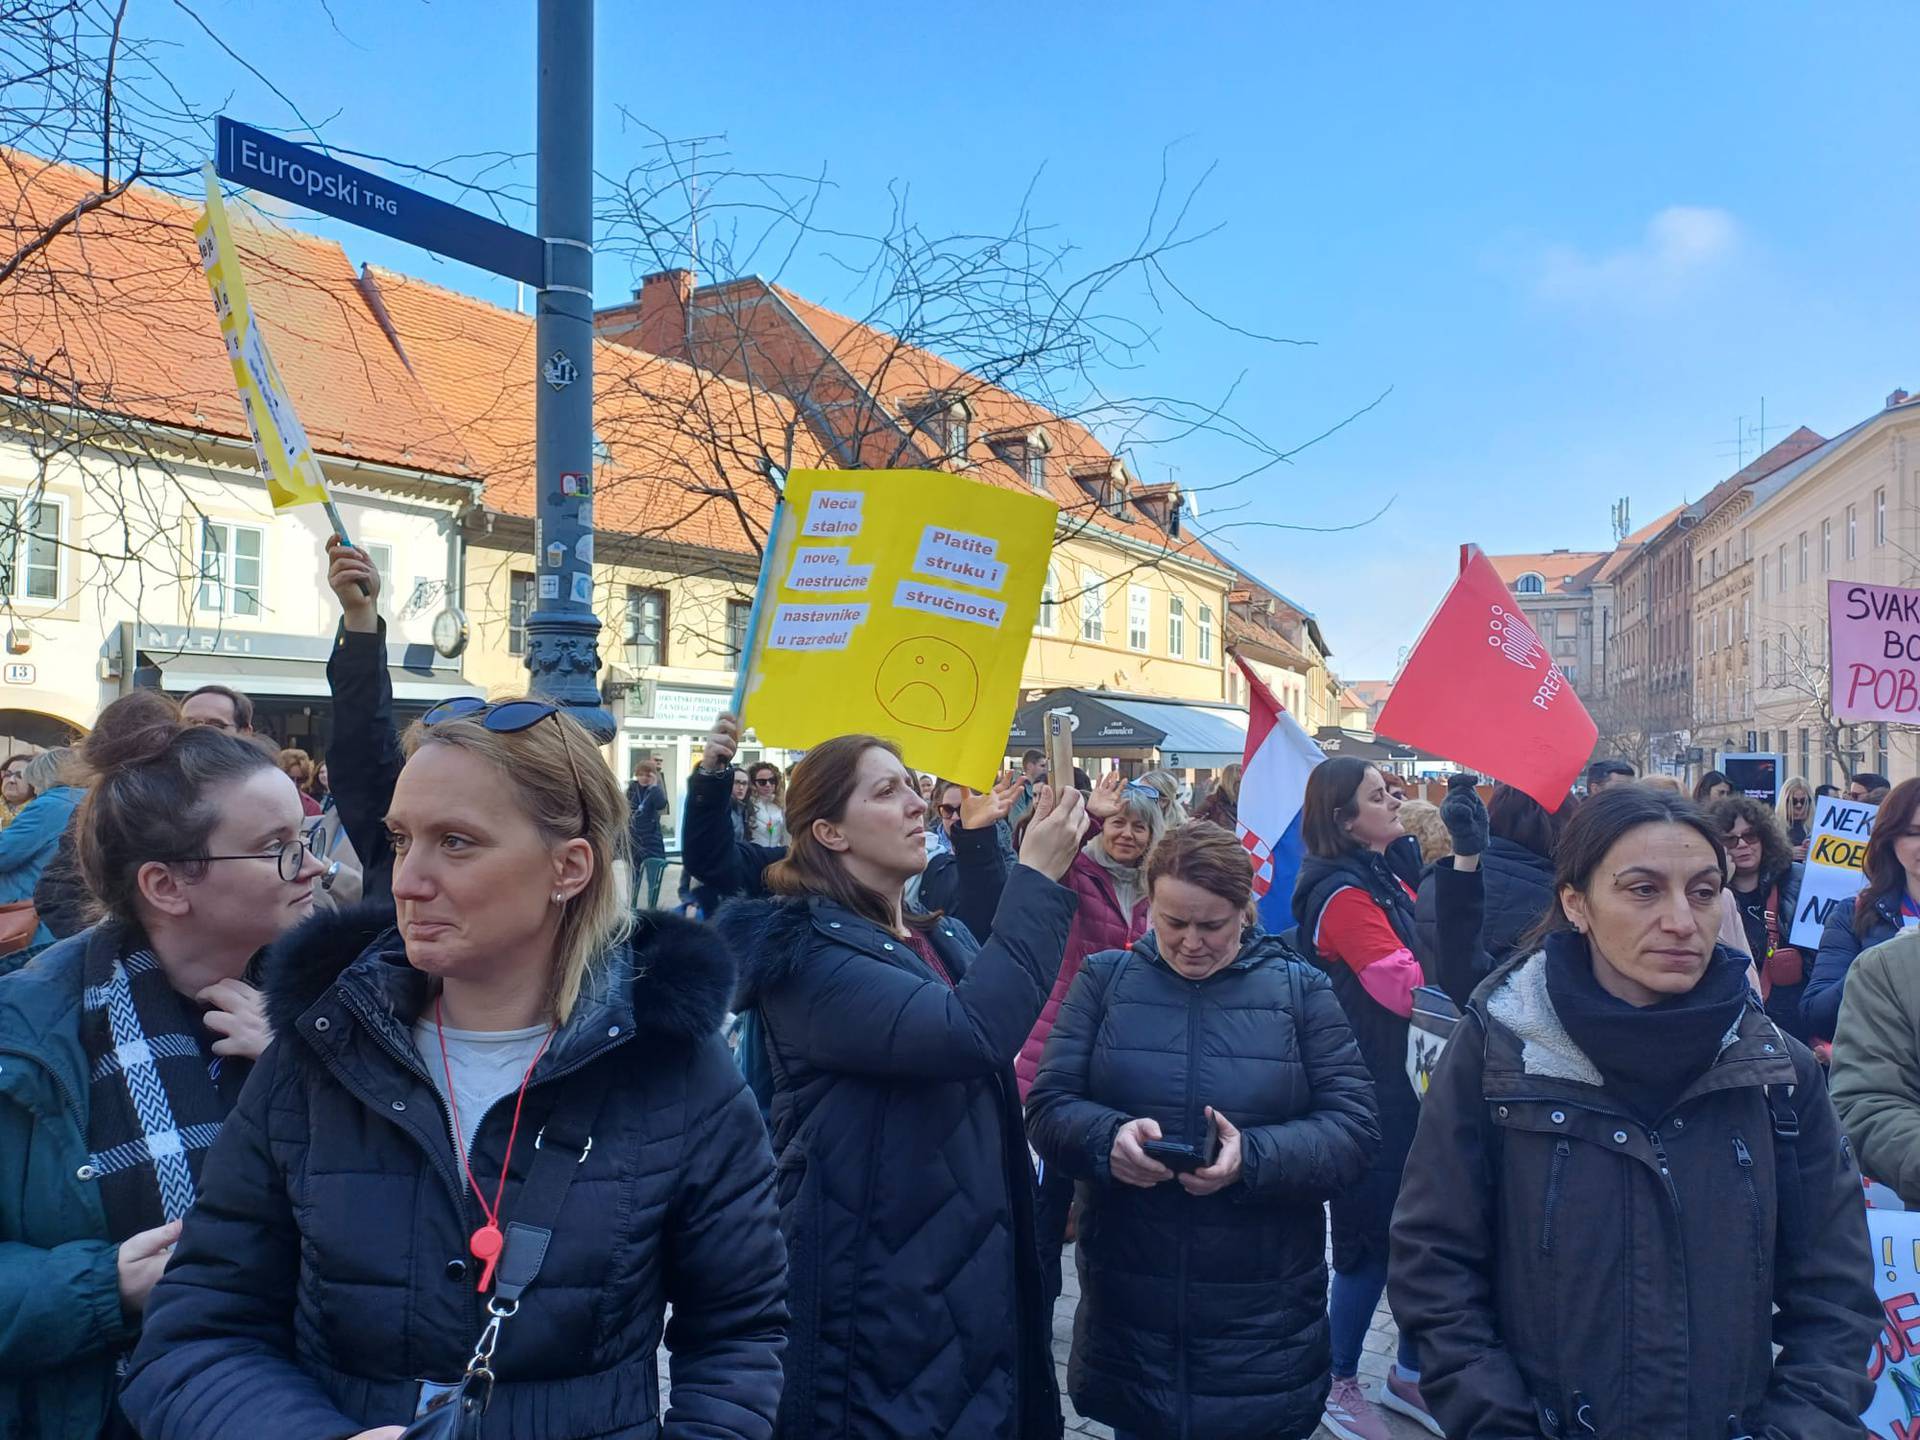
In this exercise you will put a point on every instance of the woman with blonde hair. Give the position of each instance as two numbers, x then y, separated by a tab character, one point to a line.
498	1136
1796	815
300	768
1422	821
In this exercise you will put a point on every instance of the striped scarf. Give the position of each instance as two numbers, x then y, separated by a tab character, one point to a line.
158	1094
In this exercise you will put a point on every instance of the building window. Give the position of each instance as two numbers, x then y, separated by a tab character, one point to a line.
1766	674
1781	588
1176	627
1853	532
1826	547
1879	518
30	555
739	613
1563	624
519	606
646	636
1049	604
1206	632
1093	619
1803	557
955	438
1036	467
229	569
1806	767
1530	584
1763	580
1139	616
1746	618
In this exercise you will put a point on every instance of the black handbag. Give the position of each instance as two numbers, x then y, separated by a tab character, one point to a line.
560	1148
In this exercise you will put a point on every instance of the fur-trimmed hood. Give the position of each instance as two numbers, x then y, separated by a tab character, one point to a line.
772	935
674	974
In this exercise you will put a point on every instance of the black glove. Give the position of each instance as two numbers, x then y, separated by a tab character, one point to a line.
1464	816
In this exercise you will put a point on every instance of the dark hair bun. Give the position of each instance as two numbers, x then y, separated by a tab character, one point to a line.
134	730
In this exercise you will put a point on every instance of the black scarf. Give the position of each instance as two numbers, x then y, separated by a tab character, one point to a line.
158	1093
1647	1055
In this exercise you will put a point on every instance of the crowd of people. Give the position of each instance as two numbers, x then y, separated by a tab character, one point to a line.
458	1158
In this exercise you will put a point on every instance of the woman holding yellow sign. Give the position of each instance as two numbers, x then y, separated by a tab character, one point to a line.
1889	904
905	1187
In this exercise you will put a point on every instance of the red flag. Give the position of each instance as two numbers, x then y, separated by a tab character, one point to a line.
1481	690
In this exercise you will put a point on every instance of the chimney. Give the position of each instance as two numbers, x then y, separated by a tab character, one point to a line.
662	328
1898	397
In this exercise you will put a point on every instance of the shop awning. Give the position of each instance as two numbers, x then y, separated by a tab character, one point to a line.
1188	735
1193	736
262	678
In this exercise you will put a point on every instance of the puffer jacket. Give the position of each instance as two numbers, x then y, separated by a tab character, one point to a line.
61	1325
1846	935
1469	923
1362	1214
28	845
324	1271
906	1190
1565	1270
1205	1316
1098	924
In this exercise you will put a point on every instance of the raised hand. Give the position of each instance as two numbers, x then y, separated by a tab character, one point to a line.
1106	797
355	582
1054	833
722	742
980	809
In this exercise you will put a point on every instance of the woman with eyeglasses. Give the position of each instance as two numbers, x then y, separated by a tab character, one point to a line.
123	1048
1765	887
497	1137
906	1189
766	819
28	845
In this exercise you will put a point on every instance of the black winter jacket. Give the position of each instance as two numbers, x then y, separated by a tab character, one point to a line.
1204	1316
1846	935
324	1271
906	1191
1361	1215
1472	922
1565	1270
364	759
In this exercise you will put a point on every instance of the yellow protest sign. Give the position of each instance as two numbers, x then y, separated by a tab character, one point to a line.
280	443
899	602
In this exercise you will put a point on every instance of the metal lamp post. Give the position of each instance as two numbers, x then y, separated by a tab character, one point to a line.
563	632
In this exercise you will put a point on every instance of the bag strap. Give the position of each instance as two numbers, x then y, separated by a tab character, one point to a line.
560	1148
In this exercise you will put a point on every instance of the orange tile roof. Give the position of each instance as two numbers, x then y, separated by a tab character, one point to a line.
897	373
113	317
685	445
1560	569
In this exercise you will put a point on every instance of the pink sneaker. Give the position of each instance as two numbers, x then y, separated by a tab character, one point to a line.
1404	1396
1350	1415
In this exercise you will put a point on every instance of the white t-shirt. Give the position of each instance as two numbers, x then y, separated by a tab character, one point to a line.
486	1065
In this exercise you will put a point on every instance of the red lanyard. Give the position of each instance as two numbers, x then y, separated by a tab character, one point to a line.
486	1243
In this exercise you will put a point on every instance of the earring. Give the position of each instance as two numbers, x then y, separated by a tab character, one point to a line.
556	897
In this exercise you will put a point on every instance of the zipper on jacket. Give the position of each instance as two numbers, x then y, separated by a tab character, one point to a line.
1743	1157
1561	1150
1186	1224
1666	1173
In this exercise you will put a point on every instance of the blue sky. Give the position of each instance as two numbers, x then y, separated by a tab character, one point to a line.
1577	242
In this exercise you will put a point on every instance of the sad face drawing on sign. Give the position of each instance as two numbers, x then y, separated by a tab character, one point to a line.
928	683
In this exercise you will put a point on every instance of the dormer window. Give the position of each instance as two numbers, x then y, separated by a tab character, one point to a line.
1026	451
1531	583
947	419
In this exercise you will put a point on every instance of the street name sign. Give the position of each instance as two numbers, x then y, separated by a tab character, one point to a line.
246	156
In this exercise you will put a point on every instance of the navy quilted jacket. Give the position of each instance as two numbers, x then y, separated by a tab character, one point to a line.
1205	1316
323	1272
906	1191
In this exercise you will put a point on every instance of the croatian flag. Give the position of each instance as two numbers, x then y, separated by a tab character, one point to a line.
1273	793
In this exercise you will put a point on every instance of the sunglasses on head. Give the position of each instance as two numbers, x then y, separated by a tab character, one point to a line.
510	717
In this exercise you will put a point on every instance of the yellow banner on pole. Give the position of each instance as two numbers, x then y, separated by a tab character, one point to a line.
280	442
899	602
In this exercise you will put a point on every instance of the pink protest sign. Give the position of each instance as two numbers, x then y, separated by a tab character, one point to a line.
1875	630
